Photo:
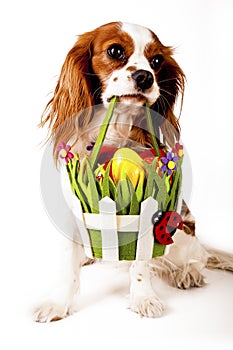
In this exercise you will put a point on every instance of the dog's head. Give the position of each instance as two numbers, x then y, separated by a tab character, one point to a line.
116	59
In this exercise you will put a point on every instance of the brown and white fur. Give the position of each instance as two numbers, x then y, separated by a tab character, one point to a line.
128	61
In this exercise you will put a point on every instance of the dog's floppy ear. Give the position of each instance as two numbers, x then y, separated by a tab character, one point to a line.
171	81
72	95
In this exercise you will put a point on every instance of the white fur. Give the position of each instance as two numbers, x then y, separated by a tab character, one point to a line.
143	299
181	266
63	300
187	249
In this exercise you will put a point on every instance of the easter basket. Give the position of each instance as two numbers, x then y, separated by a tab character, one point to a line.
126	200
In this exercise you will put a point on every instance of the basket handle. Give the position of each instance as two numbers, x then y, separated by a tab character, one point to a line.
151	130
102	133
104	129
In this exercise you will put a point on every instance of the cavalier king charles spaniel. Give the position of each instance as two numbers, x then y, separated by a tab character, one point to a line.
130	62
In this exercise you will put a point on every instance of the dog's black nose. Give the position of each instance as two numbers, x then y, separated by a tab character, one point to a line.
143	78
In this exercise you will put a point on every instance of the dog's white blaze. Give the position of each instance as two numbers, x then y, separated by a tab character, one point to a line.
141	36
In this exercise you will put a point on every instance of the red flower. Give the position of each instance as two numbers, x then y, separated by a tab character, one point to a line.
178	150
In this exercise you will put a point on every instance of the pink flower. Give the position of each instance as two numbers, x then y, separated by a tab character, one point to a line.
64	151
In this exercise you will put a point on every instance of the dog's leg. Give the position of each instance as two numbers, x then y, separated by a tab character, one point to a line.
190	258
65	299
143	299
218	259
182	266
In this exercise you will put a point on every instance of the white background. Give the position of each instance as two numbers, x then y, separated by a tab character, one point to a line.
35	37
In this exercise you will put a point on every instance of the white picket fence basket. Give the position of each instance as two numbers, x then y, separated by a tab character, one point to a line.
109	226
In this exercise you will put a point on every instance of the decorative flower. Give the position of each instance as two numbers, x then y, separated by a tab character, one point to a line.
169	163
64	151
178	150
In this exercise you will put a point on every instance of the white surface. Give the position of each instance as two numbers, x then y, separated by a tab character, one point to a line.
35	37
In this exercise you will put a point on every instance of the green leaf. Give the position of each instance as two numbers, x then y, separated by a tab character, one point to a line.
69	172
172	197
176	186
81	188
92	193
122	197
82	197
75	166
102	133
106	181
72	169
140	189
82	179
134	204
112	190
151	130
157	187
126	197
150	179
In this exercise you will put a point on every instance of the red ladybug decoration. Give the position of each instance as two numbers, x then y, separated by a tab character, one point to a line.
165	226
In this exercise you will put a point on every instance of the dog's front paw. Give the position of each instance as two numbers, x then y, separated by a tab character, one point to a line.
147	306
49	312
187	277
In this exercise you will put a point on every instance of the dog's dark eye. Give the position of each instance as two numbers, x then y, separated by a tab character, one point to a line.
156	62
116	51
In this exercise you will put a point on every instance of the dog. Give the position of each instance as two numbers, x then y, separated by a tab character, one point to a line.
130	62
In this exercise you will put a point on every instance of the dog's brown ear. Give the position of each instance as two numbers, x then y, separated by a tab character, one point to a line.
171	81
72	96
